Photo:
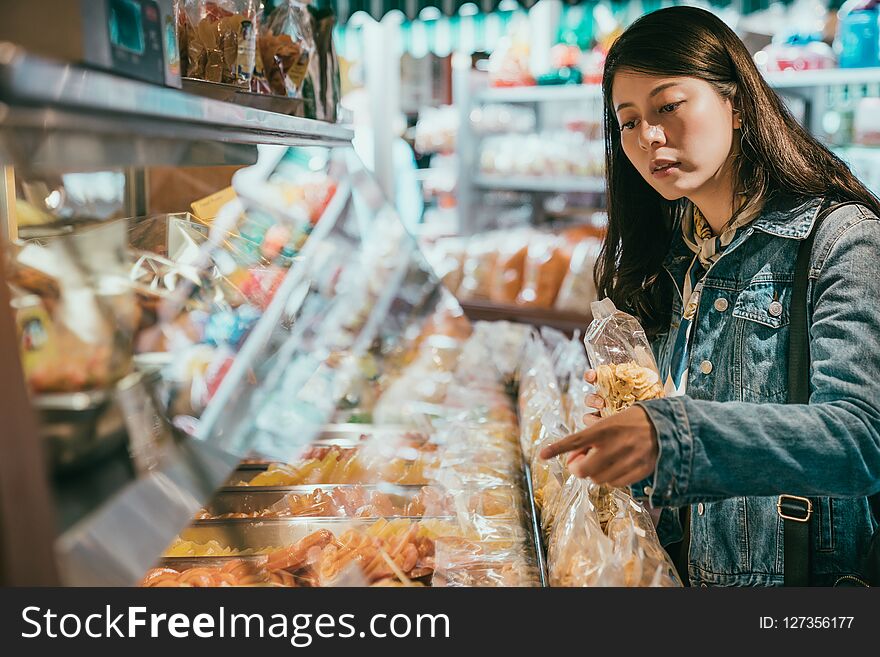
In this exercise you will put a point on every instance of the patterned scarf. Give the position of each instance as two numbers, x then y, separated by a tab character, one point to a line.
708	248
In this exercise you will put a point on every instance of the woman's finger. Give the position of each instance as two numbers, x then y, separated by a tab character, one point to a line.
567	444
595	401
590	376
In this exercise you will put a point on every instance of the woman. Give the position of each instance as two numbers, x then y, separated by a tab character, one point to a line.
712	186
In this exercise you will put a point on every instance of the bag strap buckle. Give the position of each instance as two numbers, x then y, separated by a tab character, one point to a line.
788	504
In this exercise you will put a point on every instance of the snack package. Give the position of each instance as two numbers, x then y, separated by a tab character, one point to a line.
538	392
507	277
75	309
645	562
549	475
286	48
547	262
578	551
323	86
479	268
447	258
221	40
578	289
618	349
506	341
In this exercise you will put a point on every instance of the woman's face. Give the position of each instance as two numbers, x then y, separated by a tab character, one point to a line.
677	132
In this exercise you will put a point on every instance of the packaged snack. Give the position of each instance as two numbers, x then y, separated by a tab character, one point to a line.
618	349
323	86
578	551
220	39
546	265
447	257
645	562
287	47
507	278
77	324
578	289
479	269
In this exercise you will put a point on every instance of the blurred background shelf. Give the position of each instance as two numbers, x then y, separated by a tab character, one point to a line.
550	184
492	312
541	94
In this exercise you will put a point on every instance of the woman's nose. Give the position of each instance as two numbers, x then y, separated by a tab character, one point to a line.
650	135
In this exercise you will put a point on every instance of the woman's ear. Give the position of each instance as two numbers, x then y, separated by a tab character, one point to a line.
737	119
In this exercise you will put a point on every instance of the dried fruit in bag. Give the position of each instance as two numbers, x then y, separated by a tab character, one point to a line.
618	349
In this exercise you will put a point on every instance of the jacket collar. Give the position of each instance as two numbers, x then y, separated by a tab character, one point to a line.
784	215
789	216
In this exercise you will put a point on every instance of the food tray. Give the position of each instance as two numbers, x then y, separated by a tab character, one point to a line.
270	532
236	499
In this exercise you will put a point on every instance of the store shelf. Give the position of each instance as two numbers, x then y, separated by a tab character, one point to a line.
822	78
541	94
550	184
493	312
50	110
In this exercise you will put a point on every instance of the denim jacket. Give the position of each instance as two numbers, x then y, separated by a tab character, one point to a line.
732	444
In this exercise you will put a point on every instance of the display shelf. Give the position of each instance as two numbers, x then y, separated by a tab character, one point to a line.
778	80
52	110
563	321
552	185
541	94
822	78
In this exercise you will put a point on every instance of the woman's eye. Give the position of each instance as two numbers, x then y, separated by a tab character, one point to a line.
669	107
629	125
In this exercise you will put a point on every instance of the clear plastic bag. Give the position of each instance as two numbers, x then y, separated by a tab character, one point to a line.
578	552
507	277
618	349
631	529
578	289
75	309
545	267
221	38
479	268
286	47
538	392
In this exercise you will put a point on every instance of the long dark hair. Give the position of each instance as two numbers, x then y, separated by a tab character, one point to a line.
777	154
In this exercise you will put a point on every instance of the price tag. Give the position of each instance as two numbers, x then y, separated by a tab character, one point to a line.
208	208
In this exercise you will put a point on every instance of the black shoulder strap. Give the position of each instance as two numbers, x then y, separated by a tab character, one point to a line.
796	511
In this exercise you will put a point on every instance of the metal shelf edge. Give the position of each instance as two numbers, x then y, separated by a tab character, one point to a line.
30	81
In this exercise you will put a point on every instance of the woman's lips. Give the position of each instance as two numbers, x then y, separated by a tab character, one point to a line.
666	170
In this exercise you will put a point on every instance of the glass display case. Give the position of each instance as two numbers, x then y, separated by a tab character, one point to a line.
266	386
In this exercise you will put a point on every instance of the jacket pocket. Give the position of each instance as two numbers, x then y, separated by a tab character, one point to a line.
761	316
764	302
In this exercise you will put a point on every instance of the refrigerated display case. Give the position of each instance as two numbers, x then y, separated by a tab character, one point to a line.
282	393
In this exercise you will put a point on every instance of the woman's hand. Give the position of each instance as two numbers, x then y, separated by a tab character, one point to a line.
618	450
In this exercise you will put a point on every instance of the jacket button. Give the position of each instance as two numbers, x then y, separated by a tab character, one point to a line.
700	509
706	367
775	309
721	304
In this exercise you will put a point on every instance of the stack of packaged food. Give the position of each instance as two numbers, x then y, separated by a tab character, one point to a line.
595	535
433	498
524	267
